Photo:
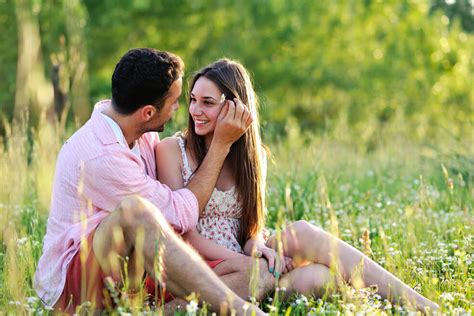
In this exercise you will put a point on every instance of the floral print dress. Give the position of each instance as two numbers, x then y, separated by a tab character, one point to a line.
221	219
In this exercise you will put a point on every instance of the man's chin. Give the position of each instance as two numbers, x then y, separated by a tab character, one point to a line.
160	128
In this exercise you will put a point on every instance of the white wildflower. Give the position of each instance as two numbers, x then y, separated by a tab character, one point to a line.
460	311
22	241
32	300
192	307
304	300
350	307
272	308
447	296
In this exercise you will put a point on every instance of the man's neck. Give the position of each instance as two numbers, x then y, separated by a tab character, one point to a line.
125	122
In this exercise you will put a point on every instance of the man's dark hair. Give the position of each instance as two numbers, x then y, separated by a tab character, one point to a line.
144	76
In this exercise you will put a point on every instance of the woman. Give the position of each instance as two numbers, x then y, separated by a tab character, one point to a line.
234	216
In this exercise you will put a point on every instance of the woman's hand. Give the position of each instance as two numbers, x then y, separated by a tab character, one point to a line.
277	264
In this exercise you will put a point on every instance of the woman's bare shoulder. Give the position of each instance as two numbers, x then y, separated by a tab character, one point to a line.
167	150
169	144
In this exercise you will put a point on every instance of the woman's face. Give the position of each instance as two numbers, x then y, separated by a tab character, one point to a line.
205	106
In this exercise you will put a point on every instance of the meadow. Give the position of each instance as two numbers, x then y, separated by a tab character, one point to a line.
405	204
367	108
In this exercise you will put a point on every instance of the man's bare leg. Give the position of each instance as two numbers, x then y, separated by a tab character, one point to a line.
237	273
137	229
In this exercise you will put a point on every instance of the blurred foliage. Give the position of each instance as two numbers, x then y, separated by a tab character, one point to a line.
340	67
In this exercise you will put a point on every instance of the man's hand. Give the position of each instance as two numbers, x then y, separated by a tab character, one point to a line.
232	122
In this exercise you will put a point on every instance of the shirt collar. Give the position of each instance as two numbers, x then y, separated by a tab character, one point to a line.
119	135
107	130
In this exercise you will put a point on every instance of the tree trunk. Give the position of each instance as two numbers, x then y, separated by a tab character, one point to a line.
34	93
77	51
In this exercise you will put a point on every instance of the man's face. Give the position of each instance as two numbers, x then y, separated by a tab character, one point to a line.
171	104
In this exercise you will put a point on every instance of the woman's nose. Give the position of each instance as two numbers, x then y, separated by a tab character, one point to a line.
195	108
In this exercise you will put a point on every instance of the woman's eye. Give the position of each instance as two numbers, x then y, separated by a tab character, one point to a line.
192	100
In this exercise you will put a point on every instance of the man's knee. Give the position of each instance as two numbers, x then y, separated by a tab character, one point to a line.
136	212
118	234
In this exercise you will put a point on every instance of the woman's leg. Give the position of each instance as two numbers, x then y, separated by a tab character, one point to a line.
303	241
311	279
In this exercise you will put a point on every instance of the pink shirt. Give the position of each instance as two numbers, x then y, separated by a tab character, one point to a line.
94	172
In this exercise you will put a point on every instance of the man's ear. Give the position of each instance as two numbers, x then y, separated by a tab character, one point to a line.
147	112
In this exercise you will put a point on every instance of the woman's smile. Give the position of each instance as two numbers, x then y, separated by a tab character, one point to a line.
205	105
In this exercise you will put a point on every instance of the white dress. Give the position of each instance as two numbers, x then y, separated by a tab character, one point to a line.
221	219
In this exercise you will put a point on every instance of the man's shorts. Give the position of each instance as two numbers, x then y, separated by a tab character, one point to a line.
85	281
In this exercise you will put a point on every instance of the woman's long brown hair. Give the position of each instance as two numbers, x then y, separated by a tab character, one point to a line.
246	153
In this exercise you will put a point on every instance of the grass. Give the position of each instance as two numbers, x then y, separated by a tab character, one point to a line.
407	205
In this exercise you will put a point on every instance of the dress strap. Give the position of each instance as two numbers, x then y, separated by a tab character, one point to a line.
187	172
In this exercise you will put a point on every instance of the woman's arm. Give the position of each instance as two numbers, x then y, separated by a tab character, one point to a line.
168	163
277	263
207	248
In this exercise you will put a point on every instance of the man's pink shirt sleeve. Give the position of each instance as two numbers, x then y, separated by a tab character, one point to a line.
111	178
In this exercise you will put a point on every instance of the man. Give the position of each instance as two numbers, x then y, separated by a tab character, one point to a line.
107	209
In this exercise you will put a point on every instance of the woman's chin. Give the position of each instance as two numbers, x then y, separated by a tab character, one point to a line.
201	132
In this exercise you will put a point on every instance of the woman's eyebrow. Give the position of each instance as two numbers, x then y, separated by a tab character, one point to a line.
204	98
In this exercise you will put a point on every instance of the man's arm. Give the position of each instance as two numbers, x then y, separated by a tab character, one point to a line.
233	121
110	178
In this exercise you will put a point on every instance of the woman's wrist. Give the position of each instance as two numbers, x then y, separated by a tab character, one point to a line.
249	246
253	245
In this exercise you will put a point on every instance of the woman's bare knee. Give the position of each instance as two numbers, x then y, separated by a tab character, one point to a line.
306	231
312	279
